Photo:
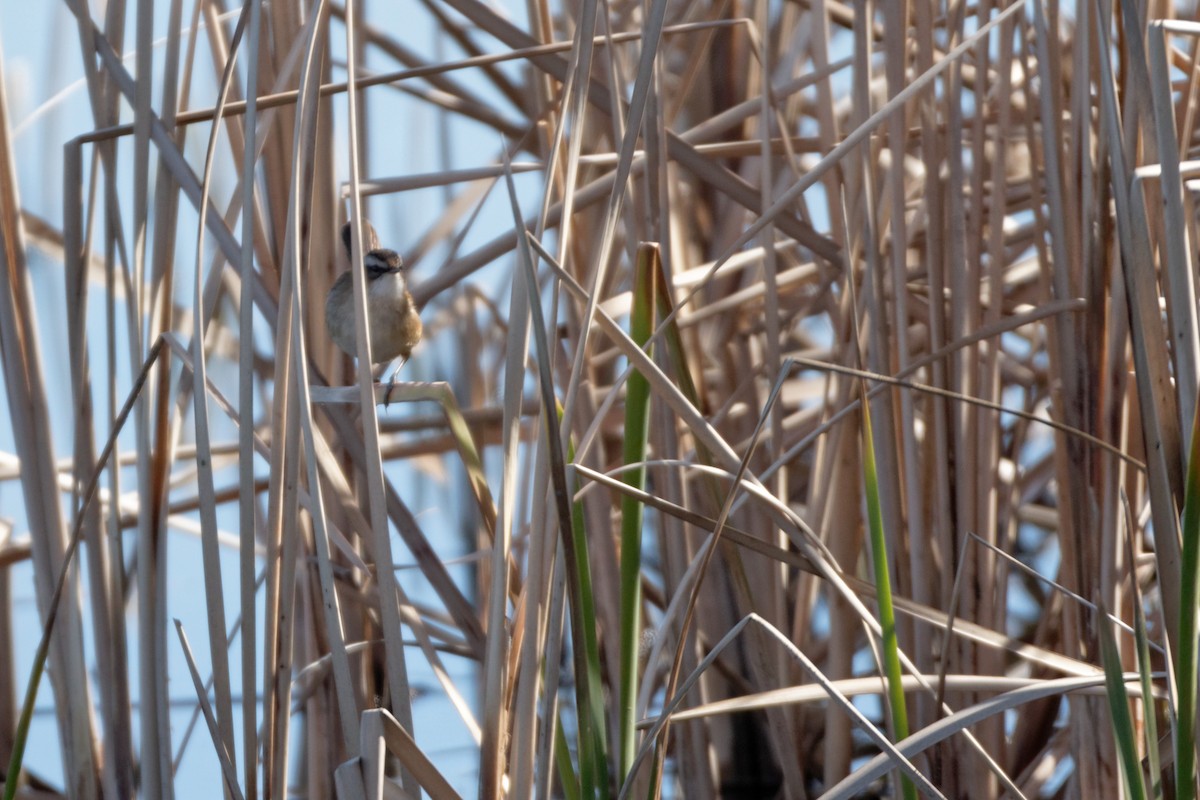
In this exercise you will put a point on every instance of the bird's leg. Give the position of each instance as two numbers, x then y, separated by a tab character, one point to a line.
395	369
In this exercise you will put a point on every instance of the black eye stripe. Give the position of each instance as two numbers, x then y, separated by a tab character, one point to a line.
381	261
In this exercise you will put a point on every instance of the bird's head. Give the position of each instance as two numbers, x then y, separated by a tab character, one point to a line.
380	262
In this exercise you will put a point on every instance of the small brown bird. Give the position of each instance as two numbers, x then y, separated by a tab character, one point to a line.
394	323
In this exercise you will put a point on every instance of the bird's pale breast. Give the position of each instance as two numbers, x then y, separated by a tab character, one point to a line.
395	325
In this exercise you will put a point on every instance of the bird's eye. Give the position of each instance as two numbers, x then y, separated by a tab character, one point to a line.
381	262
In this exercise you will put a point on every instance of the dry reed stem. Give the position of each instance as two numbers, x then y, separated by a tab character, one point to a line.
976	198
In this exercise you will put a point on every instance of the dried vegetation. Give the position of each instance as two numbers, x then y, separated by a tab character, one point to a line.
661	491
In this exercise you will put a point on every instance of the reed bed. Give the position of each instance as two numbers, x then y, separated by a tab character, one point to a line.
806	406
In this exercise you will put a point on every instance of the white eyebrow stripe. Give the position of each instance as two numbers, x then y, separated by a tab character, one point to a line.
383	261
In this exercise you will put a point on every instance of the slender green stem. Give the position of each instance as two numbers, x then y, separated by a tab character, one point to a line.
1118	707
1185	675
637	406
593	747
562	758
883	586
